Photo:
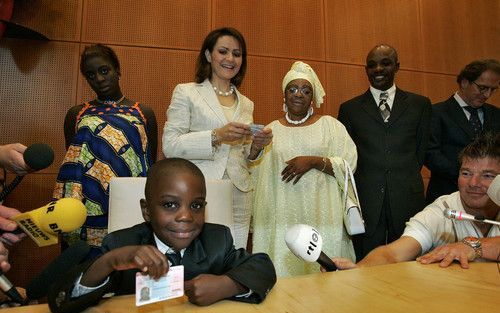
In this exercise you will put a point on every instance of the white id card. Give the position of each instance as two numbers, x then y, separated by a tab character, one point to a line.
148	290
256	128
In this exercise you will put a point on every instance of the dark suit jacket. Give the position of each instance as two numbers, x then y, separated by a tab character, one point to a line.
450	133
390	155
212	252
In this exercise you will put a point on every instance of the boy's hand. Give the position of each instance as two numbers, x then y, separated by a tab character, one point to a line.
206	289
147	259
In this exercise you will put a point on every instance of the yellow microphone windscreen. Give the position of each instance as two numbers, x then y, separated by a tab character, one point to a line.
44	224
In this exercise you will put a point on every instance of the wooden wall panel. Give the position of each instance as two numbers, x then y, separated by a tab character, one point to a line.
455	32
344	82
353	27
57	20
281	28
411	81
38	85
174	24
439	87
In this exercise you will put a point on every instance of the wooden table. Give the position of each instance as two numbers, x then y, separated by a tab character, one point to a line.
404	287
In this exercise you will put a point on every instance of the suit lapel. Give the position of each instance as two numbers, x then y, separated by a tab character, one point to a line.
487	114
239	107
195	253
207	93
370	106
399	106
458	116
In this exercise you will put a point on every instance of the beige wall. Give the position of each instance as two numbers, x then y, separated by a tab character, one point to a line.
158	40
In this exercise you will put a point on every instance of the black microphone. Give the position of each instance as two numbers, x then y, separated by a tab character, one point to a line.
306	243
37	156
11	291
72	256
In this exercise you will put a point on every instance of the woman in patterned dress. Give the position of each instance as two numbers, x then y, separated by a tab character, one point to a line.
110	136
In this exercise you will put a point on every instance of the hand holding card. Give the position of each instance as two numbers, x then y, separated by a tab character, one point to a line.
149	290
256	128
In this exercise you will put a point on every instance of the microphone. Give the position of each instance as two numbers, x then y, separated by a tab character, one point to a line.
462	216
306	243
37	156
72	256
44	224
11	291
494	190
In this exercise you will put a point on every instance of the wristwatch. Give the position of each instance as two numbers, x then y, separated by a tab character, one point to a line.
475	244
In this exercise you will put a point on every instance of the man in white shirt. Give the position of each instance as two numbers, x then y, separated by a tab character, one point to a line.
450	239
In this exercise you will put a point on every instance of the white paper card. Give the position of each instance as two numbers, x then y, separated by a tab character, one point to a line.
148	290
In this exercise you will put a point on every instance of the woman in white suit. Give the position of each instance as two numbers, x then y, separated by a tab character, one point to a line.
208	122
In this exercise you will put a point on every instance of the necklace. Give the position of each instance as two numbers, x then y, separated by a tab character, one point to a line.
308	115
110	102
224	93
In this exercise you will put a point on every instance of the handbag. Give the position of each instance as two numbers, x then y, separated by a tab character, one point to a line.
353	218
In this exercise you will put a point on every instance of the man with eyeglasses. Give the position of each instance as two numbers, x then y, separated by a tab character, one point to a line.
458	120
390	128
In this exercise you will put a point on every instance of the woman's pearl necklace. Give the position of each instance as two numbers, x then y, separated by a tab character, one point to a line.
308	115
224	93
110	102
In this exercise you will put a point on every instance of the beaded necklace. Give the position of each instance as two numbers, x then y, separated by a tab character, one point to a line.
110	102
308	115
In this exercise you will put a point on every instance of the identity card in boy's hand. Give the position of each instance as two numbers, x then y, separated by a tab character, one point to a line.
256	128
149	290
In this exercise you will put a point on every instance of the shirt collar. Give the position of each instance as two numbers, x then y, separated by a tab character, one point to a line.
391	91
165	248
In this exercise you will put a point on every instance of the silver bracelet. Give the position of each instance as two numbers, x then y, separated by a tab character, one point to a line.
215	140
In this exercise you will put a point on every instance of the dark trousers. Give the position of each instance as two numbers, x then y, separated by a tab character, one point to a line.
384	233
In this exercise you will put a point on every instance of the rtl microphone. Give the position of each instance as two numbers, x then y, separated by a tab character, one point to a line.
306	243
462	216
37	156
45	223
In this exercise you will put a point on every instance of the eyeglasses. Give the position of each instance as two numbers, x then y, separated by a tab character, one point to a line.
305	91
484	89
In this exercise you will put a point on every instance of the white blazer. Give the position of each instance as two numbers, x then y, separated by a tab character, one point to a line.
192	115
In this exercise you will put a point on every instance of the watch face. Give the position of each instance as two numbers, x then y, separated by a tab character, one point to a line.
472	241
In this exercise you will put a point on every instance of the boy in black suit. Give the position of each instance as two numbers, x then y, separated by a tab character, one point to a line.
174	211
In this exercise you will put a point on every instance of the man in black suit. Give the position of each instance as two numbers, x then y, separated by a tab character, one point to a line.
458	120
174	211
390	128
